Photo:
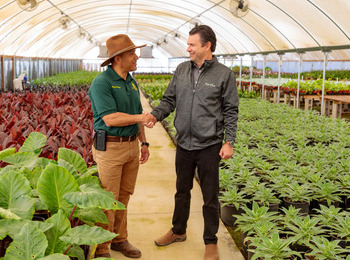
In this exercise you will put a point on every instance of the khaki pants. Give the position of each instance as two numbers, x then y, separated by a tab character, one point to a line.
117	168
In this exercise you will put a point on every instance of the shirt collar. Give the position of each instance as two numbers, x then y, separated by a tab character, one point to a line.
115	75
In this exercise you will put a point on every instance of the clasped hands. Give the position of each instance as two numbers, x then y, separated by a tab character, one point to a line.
148	119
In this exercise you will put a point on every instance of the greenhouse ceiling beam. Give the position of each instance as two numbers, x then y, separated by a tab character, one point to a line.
296	21
70	18
325	14
193	19
296	50
127	27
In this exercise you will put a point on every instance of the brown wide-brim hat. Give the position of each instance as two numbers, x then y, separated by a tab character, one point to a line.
117	45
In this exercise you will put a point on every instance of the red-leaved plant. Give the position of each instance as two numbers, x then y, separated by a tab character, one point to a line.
65	118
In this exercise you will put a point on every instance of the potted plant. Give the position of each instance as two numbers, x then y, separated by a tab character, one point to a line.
327	193
323	249
328	215
267	197
250	221
272	247
65	188
298	195
231	202
302	229
341	229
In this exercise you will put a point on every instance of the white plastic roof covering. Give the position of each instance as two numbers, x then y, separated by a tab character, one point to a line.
270	26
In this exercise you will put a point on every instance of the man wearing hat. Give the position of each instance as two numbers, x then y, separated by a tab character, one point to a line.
118	123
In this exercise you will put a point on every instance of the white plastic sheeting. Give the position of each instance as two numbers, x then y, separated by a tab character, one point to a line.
269	26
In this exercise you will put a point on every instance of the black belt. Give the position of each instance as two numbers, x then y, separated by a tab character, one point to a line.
111	138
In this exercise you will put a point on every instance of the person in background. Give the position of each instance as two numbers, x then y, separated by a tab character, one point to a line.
118	125
205	96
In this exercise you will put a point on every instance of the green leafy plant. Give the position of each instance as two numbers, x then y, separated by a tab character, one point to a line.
328	215
272	247
304	229
324	249
65	188
297	192
249	221
265	196
341	227
328	191
234	197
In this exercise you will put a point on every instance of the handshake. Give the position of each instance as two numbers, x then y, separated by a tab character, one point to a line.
148	119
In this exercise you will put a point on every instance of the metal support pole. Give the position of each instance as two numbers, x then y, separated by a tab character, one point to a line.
240	73
299	69
279	77
2	73
323	81
251	72
263	79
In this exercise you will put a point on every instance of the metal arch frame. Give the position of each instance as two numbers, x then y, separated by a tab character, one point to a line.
251	27
48	33
217	4
198	15
19	25
35	24
296	21
28	40
329	18
68	36
275	28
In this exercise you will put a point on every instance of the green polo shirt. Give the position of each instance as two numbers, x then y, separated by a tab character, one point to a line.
109	93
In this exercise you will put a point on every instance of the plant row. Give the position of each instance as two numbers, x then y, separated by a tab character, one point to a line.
49	208
65	118
311	75
287	156
306	87
69	79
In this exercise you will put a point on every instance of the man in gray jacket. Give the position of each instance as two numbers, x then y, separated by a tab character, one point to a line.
204	93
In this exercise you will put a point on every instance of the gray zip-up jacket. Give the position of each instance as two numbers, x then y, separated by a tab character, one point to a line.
204	112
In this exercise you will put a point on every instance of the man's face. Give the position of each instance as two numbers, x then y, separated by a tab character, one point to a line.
128	60
196	50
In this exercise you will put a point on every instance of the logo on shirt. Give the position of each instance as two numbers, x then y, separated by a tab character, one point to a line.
133	86
116	87
210	84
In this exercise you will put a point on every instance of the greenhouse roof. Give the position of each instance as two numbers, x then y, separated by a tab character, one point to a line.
72	28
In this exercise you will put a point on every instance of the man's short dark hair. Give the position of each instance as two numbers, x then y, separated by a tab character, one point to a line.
206	34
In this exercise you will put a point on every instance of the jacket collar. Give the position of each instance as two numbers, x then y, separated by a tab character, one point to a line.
207	63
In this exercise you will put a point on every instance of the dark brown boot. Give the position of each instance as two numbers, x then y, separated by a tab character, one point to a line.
126	249
106	255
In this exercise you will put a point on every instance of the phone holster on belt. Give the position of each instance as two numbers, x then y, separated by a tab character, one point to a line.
100	140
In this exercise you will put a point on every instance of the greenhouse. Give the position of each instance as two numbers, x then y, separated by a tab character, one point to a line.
241	143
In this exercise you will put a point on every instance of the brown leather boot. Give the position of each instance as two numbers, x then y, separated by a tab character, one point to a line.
126	249
106	255
211	252
169	238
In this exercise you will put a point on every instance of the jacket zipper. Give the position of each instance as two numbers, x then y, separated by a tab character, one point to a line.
193	93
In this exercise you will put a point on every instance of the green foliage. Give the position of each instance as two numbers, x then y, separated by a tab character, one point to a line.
323	249
66	188
234	197
71	79
272	247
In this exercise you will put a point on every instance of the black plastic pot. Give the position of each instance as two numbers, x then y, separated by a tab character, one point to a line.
273	207
227	213
303	206
345	202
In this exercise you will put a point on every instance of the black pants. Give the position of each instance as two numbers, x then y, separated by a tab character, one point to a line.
207	161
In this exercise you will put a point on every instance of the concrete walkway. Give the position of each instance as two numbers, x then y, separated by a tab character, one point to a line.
150	208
